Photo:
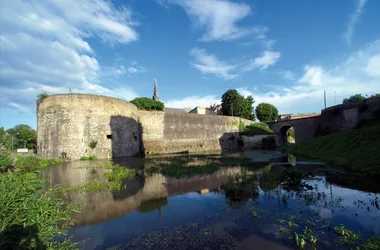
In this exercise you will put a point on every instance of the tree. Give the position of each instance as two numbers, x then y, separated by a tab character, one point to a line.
354	98
3	138
234	104
375	96
22	135
146	103
266	112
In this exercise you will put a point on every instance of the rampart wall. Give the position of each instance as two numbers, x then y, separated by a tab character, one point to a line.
68	123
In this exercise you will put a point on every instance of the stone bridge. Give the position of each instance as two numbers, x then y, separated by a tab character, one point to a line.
304	128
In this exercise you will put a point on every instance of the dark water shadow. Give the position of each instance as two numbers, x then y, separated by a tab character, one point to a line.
20	237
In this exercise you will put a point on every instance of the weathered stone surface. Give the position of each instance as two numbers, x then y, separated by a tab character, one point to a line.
67	123
333	119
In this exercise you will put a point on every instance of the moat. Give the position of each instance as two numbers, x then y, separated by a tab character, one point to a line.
275	201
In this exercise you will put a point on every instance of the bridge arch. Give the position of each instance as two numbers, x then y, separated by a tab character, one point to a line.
283	134
304	128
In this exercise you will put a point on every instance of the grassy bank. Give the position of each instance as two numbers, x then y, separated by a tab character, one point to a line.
257	129
356	150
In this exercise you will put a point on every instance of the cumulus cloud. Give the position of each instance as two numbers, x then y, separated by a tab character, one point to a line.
210	64
44	46
218	18
358	73
267	58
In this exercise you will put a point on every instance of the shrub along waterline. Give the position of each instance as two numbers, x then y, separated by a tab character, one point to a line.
88	158
26	163
30	217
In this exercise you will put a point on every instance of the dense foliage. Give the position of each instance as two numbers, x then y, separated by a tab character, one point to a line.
19	136
354	98
266	112
234	104
30	217
146	103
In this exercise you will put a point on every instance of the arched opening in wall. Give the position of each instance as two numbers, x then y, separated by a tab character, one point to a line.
287	135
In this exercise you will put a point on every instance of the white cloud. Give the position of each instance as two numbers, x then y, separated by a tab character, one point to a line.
18	107
288	75
357	74
218	18
267	58
44	47
353	20
373	66
210	64
260	37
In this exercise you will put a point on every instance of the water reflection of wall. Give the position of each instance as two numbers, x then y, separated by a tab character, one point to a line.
104	206
197	183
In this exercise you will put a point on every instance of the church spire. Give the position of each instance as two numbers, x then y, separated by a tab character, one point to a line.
155	93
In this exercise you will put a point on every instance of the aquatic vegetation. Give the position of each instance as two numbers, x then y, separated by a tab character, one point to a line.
371	244
193	165
346	235
30	217
87	158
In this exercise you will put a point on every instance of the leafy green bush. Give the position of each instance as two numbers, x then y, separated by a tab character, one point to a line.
266	112
146	103
42	96
5	159
354	98
31	218
92	144
88	158
32	163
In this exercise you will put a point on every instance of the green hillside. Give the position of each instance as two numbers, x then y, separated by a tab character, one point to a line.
355	150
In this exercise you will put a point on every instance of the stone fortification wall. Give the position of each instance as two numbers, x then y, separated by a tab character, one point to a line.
68	123
348	115
182	132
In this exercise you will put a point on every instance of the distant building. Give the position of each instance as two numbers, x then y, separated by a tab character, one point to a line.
212	110
284	117
174	110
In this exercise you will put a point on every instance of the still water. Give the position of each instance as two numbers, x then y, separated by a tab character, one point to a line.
231	208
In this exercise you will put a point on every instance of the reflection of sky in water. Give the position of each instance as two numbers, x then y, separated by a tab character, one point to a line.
180	210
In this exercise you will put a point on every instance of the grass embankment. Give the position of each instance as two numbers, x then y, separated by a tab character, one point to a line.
257	129
355	150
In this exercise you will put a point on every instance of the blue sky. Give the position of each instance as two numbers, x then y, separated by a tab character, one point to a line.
282	52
